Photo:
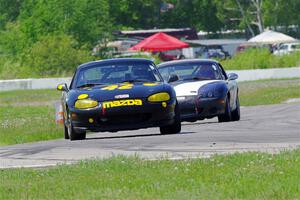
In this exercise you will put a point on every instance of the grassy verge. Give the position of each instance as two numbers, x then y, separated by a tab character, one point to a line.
27	116
27	124
261	59
239	176
25	97
268	91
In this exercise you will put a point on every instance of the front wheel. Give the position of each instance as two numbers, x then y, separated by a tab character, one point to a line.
175	127
66	132
226	117
72	134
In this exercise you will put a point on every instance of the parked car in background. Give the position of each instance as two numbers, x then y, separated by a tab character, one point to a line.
171	55
213	52
241	48
286	48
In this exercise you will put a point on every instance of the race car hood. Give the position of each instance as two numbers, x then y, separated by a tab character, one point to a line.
118	91
191	88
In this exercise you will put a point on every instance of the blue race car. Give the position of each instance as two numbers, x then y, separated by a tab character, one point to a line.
203	89
118	94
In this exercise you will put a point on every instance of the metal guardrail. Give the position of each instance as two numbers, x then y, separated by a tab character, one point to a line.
30	84
244	75
259	74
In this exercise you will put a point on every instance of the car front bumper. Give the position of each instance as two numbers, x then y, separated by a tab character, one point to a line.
193	108
124	118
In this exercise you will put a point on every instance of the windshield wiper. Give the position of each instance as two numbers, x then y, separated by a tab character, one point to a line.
136	80
89	85
198	78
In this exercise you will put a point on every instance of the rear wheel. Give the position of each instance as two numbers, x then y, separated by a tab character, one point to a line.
236	115
175	127
72	134
226	117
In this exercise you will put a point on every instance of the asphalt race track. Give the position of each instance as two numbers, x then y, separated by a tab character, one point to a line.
262	128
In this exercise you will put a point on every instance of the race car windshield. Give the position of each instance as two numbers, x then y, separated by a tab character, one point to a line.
192	71
116	73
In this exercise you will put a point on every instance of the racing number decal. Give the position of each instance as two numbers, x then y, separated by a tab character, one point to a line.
111	87
150	84
118	87
119	103
125	87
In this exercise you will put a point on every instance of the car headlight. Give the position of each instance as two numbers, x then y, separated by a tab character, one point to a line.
85	103
212	91
159	97
206	94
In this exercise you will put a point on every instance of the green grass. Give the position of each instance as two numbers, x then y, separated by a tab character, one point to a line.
268	91
261	59
28	116
27	124
28	96
238	176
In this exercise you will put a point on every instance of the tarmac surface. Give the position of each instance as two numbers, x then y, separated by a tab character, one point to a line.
271	128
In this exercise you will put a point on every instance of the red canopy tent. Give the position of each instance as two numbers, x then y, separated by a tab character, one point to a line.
159	42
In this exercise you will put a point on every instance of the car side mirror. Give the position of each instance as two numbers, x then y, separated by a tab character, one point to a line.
62	87
232	76
173	78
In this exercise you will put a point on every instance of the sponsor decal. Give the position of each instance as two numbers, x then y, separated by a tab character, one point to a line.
180	98
120	103
122	96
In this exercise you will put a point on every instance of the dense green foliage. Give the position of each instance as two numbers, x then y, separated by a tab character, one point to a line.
30	30
239	176
272	13
55	55
41	38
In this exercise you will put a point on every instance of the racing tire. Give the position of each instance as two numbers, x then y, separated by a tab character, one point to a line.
72	134
175	127
236	114
226	117
66	132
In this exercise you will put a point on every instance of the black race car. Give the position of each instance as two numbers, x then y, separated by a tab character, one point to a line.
118	94
203	89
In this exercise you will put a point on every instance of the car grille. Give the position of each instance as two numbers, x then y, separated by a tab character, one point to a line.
124	119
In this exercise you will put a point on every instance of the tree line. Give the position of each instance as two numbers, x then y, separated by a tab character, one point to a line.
46	37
